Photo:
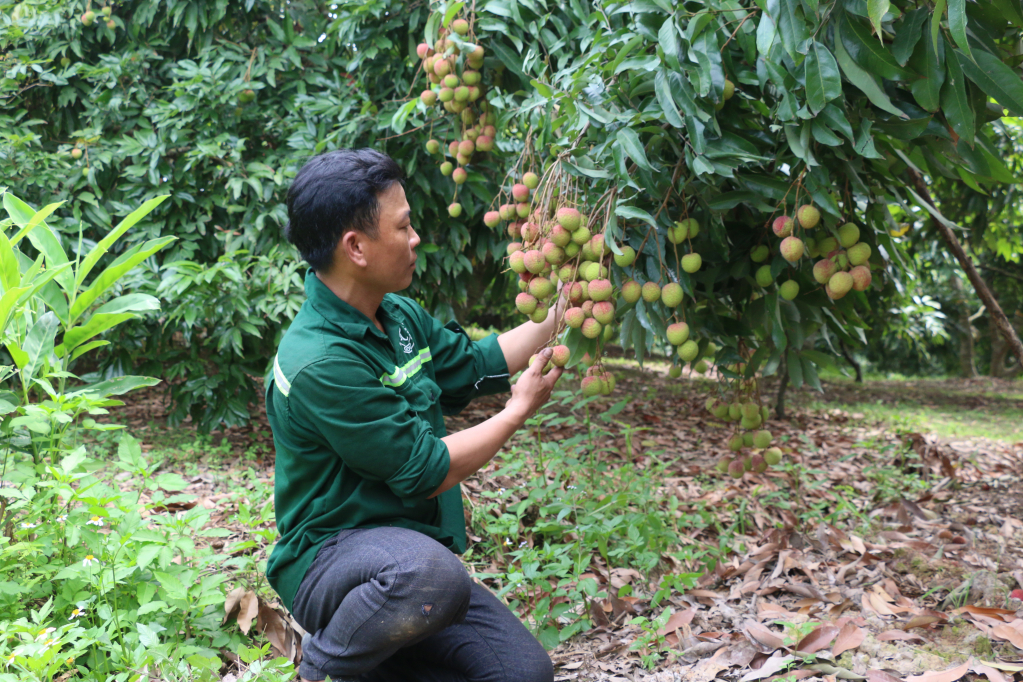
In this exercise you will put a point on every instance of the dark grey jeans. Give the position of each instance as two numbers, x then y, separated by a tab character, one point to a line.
393	605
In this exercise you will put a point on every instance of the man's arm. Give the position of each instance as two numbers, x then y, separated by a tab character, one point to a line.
470	449
520	343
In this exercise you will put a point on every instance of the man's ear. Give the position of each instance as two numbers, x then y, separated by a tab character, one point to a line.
352	247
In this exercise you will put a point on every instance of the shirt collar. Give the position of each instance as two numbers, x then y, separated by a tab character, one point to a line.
339	313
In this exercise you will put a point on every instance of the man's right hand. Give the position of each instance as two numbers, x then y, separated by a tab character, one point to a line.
533	389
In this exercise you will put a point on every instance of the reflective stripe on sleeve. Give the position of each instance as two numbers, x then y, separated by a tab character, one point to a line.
402	374
281	381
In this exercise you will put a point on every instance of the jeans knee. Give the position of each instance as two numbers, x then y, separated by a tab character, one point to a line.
539	669
443	575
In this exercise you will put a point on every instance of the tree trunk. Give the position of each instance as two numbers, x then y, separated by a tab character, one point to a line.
997	316
783	374
999	353
967	366
852	361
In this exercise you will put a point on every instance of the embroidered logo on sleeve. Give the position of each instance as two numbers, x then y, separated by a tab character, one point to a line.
407	344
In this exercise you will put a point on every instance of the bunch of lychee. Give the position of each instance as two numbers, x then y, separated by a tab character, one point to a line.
564	250
456	77
750	444
89	17
597	380
844	264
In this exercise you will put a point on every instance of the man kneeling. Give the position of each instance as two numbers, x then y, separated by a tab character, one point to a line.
367	494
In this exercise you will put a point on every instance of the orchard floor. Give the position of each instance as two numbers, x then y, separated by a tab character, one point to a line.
883	549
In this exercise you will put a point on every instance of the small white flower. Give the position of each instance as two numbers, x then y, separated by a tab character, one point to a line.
501	491
77	613
522	544
43	633
10	659
62	518
94	521
26	524
89	560
507	542
571	487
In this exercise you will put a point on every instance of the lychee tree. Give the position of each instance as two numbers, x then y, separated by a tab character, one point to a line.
717	179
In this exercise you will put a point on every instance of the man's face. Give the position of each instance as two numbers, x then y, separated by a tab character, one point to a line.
391	256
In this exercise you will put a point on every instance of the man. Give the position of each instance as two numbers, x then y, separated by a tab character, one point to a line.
367	492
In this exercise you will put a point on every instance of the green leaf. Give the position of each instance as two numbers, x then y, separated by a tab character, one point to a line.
869	53
667	102
629	141
908	35
823	81
41	236
931	65
996	79
863	80
38	344
104	244
939	11
876	9
954	100
544	89
667	36
787	16
130	302
957	25
633	213
115	271
117	386
97	323
795	366
766	34
454	9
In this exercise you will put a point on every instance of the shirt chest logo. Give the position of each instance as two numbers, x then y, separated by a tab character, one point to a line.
405	338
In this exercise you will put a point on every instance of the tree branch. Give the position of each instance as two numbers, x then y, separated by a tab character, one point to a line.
1000	320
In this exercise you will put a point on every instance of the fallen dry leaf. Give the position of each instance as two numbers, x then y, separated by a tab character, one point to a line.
890	635
1010	634
849	637
761	635
818	639
881	676
989	672
950	675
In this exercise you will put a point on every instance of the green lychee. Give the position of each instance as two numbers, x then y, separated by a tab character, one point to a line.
671	294
848	235
789	290
678	333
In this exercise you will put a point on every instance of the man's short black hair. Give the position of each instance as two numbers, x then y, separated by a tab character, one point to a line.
333	193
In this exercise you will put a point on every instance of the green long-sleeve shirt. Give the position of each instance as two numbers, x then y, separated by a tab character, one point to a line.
357	418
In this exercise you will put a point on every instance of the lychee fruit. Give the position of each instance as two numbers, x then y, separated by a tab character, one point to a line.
455	210
840	284
578	292
758	254
587	307
541	287
470	77
678	232
539	315
772	456
823	270
529	232
590	387
808	216
466	147
522	209
553	253
789	290
460	26
570	219
422	50
671	294
526	303
627	257
460	175
762	439
88	18
861	277
651	292
678	333
513	247
507	211
560	355
631	291
580	235
763	276
692	262
735	444
520	192
792	249
600	289
689	350
782	226
574	317
484	143
429	98
530	180
591	328
858	253
604	312
491	218
76	153
848	235
534	261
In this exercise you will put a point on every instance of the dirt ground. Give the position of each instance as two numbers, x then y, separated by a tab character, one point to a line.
926	587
